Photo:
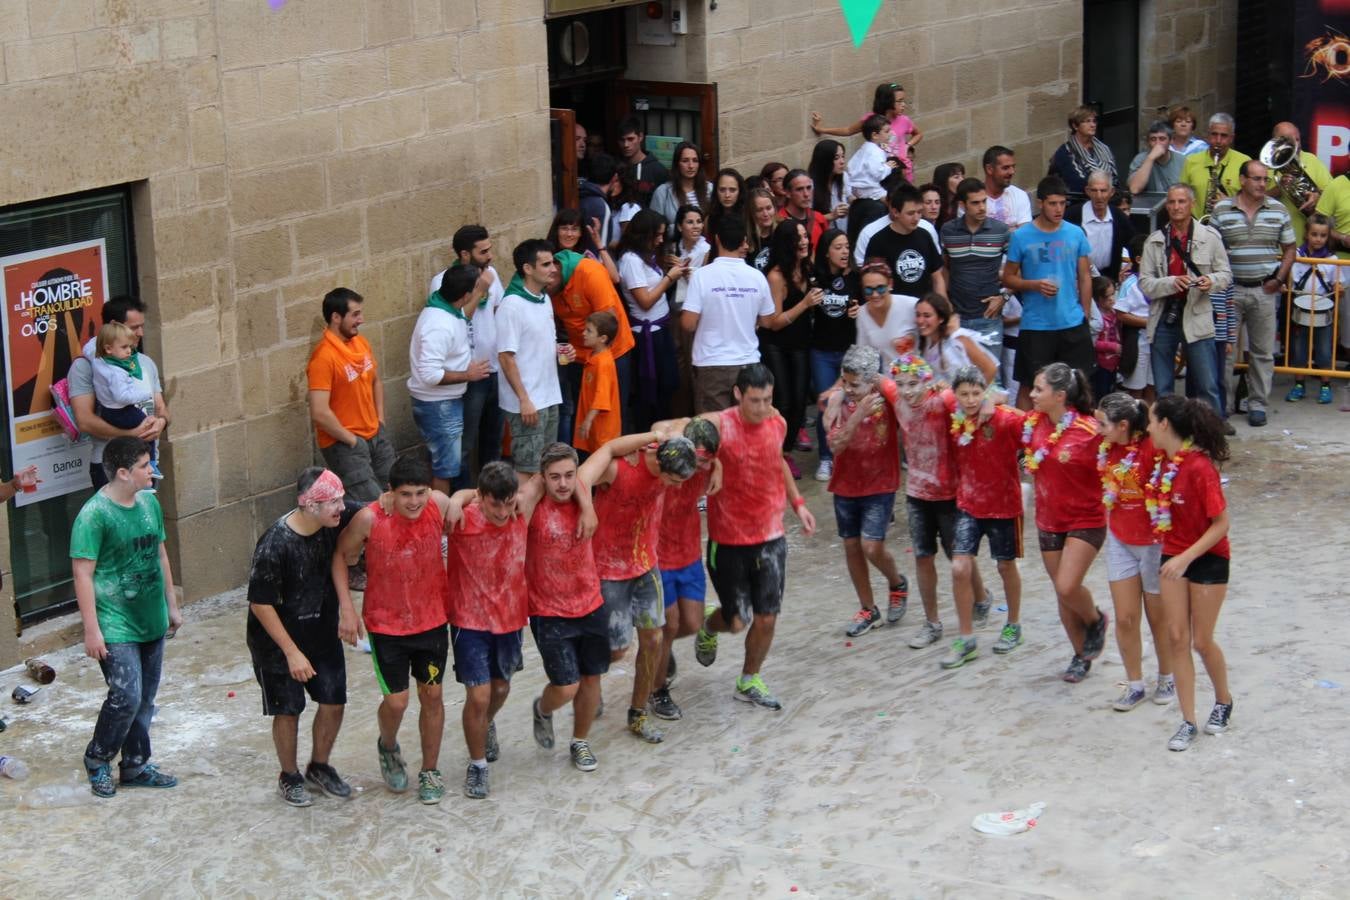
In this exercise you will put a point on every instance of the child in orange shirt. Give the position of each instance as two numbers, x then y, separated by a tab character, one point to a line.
598	415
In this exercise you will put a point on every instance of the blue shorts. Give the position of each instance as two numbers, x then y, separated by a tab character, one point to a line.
868	517
481	656
929	521
1005	536
689	583
441	423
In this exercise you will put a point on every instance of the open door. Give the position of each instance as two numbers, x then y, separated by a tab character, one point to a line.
671	112
561	129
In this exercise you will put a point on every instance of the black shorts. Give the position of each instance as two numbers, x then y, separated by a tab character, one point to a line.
749	579
1208	569
931	522
1053	541
282	695
1038	349
571	648
396	656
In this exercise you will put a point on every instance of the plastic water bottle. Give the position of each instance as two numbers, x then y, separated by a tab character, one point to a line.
57	796
13	767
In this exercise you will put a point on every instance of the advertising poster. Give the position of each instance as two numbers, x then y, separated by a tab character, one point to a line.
53	300
1322	82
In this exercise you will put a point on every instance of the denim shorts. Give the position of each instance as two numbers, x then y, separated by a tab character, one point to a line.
1124	561
441	423
866	517
632	602
1005	536
688	583
929	522
481	656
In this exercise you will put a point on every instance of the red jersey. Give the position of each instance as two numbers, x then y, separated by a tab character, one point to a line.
559	566
932	467
678	544
988	481
870	464
1068	488
749	508
1197	498
405	576
487	573
629	510
1128	519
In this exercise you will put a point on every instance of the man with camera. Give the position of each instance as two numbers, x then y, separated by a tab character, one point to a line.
1183	263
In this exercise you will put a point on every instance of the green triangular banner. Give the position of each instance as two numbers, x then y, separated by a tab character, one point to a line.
859	15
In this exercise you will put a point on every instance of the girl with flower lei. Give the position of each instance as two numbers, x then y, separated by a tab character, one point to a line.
1069	515
1125	458
1191	516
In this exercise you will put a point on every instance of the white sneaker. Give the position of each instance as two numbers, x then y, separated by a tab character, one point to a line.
825	470
929	633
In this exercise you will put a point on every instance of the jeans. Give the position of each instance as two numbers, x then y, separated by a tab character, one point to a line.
1256	317
482	429
824	372
1201	368
569	379
791	377
441	423
991	338
132	671
1298	347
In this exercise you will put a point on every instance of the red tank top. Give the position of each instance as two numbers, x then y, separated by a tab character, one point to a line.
749	508
486	570
405	576
559	566
629	509
681	531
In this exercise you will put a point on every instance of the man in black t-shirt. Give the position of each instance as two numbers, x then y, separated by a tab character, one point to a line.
907	248
648	171
296	626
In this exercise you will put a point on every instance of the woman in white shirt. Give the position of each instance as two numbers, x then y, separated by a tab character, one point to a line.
644	292
832	190
686	186
945	345
886	320
688	247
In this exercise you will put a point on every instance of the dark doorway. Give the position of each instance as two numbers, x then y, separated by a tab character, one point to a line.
1111	74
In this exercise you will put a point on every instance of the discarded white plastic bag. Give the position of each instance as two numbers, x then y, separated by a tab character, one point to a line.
1014	822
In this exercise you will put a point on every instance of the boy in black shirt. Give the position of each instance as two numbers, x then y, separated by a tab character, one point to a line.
908	249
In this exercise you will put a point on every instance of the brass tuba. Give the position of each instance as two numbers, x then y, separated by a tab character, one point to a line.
1281	155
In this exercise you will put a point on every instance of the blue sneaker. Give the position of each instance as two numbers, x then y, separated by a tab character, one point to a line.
101	781
1324	394
1296	393
150	777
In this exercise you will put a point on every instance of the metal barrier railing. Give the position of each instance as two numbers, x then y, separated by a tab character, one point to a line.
1312	318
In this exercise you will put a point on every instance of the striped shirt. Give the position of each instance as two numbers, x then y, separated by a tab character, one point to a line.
1254	245
976	259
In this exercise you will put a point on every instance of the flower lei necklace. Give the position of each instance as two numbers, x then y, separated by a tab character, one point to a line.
963	428
1112	475
1158	491
1034	459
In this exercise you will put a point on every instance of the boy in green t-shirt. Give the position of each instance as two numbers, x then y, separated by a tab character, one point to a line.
125	592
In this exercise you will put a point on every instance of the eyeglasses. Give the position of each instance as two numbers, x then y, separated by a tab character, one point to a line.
876	290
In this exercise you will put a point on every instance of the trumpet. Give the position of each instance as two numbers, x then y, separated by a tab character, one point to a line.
1215	190
1281	155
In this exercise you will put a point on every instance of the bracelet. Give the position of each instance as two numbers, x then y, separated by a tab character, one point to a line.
799	502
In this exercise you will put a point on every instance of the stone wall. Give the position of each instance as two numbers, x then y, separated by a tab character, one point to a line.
995	71
1189	56
275	155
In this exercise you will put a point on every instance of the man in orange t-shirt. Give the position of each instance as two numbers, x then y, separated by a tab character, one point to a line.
586	288
346	400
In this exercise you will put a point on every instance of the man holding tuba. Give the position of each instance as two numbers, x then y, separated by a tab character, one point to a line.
1213	174
1297	178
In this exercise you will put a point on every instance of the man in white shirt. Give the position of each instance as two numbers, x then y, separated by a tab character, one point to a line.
482	439
527	378
726	302
441	365
1005	201
1108	232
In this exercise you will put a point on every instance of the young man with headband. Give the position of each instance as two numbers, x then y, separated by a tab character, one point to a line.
747	552
630	477
404	611
296	626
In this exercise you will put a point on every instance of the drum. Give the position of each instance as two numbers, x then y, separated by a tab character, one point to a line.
1314	310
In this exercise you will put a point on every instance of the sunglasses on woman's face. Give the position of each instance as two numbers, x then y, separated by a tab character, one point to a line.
876	290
